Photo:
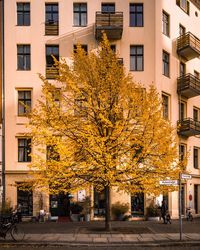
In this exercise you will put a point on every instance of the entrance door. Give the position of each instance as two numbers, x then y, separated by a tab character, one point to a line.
60	205
196	200
137	204
25	199
99	203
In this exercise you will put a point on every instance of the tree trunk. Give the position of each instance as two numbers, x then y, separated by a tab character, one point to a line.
107	215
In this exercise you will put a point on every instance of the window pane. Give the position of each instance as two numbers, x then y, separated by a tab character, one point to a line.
76	7
20	62
139	63
139	20
27	63
132	63
26	19
20	154
19	19
139	8
21	142
76	19
83	7
83	19
20	108
27	6
139	50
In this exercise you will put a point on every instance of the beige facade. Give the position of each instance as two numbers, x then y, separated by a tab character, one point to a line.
155	46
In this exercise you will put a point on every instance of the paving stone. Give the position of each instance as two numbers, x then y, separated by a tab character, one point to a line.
66	238
100	240
130	239
94	235
118	240
83	239
146	239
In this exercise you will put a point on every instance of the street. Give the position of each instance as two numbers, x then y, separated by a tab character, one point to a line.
99	248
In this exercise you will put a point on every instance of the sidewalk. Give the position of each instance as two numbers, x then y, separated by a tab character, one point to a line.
132	233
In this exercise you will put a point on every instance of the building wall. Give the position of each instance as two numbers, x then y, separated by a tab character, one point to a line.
150	36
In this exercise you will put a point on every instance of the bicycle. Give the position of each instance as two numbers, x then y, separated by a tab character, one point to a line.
189	216
9	225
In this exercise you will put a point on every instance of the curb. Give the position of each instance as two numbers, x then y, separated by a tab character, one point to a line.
81	244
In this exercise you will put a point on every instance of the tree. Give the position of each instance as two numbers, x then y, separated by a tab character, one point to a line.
100	129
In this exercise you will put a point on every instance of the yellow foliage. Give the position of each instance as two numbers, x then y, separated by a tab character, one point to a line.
107	129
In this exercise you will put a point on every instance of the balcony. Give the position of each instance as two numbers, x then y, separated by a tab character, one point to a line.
120	61
188	46
110	23
51	72
188	127
51	28
188	86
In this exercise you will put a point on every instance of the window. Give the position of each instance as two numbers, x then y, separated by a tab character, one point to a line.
52	153
80	14
196	74
23	14
182	30
196	158
23	57
83	46
165	64
51	13
196	114
184	5
108	7
136	58
165	103
165	23
182	152
136	15
182	110
24	102
51	50
182	69
113	47
24	150
25	199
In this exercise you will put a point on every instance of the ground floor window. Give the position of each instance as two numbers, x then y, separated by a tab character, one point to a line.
99	203
25	199
137	204
59	205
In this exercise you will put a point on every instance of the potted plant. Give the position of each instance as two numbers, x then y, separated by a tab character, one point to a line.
75	209
119	209
153	212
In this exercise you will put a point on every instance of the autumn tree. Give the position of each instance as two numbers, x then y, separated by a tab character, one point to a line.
100	129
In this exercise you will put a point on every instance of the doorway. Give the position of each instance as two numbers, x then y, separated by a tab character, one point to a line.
60	205
137	205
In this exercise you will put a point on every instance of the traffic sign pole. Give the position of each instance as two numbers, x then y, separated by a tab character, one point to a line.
180	209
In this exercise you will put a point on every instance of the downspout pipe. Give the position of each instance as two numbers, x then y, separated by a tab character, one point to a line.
3	107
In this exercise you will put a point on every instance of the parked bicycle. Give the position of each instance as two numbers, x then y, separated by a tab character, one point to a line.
9	225
189	215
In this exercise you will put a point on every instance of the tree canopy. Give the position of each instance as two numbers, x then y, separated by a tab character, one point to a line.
96	126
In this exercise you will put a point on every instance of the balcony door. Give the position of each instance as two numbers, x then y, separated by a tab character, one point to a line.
137	204
108	7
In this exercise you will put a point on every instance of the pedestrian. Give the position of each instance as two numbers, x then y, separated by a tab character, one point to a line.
19	212
164	211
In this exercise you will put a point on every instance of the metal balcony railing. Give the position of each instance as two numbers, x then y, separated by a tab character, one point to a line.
51	72
51	28
188	46
188	86
188	127
110	23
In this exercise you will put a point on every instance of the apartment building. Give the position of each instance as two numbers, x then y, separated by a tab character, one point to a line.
158	42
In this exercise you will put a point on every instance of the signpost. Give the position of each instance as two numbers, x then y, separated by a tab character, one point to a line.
182	176
169	182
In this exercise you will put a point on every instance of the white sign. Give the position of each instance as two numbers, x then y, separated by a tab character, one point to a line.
186	176
81	195
169	182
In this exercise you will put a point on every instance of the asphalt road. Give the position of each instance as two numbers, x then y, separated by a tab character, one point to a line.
100	248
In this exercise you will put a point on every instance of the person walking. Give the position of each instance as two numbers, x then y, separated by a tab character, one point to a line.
164	211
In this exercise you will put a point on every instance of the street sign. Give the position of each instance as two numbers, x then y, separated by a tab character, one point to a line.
186	176
169	182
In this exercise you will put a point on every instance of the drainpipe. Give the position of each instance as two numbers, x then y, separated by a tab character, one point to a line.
3	106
